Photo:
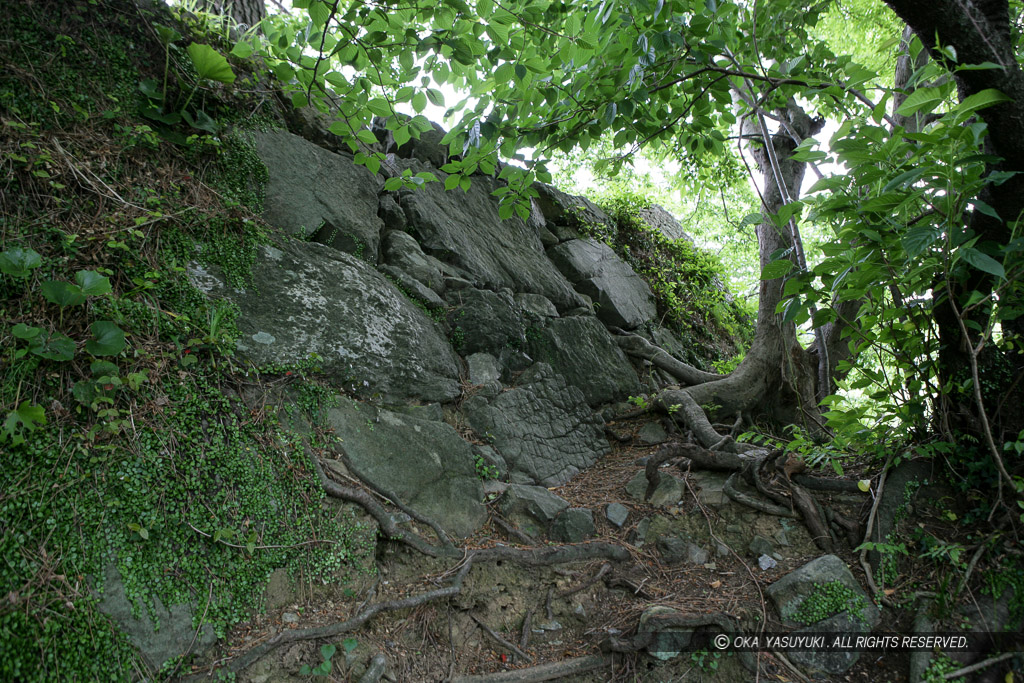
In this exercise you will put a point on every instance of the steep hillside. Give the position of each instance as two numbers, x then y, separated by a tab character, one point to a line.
267	413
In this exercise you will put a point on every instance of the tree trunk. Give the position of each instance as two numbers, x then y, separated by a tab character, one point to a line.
979	32
777	378
248	13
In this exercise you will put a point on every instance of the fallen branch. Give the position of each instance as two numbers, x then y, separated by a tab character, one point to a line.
605	568
980	665
498	639
543	672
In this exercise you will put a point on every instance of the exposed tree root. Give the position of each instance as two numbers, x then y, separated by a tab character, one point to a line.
703	458
729	488
828	485
378	665
638	347
544	672
808	507
543	556
662	622
605	568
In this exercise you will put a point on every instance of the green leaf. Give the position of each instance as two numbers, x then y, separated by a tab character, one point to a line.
166	35
19	262
776	269
366	136
109	339
350	644
419	101
54	346
918	239
402	135
435	97
504	73
451	182
23	331
922	99
392	184
210	64
62	293
25	419
380	107
864	485
242	49
319	12
92	283
983	262
980	100
327	651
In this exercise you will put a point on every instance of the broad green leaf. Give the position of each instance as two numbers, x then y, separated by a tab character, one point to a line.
108	339
921	100
451	182
242	49
380	107
54	346
983	262
92	283
327	651
62	293
393	184
319	12
504	73
918	239
365	136
19	262
23	331
980	100
402	135
864	485
166	35
25	418
210	64
776	269
419	101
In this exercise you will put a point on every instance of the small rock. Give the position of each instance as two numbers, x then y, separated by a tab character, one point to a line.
579	610
766	563
552	625
639	535
668	492
573	526
721	549
652	434
675	549
617	514
761	546
290	618
483	368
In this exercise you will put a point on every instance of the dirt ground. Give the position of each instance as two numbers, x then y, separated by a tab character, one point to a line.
568	610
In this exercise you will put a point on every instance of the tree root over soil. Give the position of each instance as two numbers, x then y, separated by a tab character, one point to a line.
466	558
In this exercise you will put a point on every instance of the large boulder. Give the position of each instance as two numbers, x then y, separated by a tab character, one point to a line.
542	428
825	598
664	222
308	298
401	251
574	347
314	193
464	229
176	635
622	298
563	212
485	321
426	463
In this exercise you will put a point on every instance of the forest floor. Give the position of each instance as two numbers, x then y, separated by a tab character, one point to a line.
570	609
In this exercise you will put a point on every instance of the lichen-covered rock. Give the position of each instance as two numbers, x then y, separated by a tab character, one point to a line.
664	222
308	299
531	508
789	593
312	192
177	635
576	345
485	321
564	212
574	525
464	229
622	298
542	427
668	492
427	464
401	251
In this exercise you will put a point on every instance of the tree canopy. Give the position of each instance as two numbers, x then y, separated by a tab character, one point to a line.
919	275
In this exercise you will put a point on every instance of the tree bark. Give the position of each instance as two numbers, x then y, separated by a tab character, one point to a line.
979	32
246	12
